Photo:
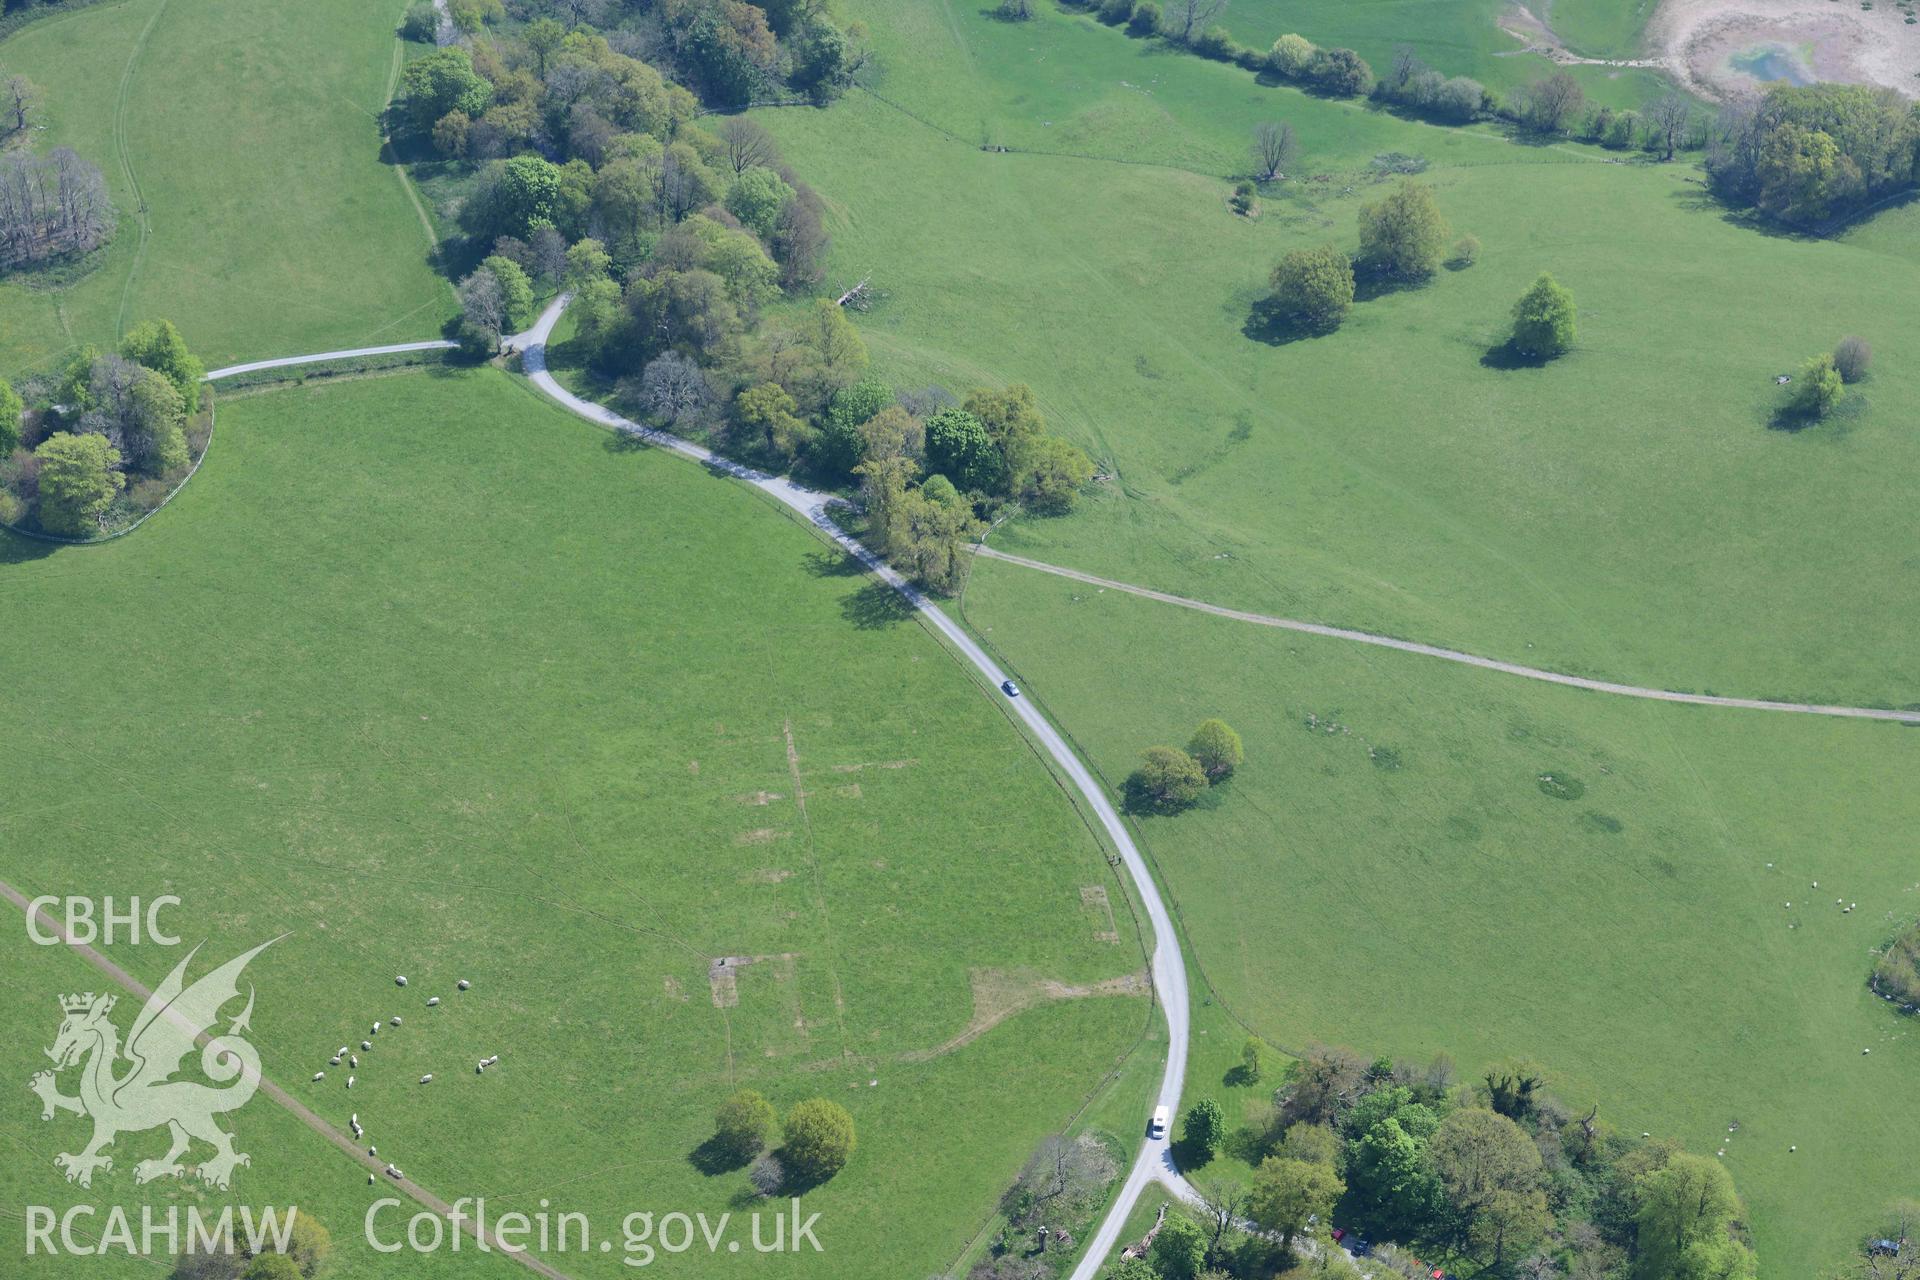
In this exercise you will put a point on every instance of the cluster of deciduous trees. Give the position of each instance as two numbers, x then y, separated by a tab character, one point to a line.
929	468
1412	83
731	52
1497	1173
228	1256
1403	239
1804	155
52	206
1823	382
1052	1203
1169	779
568	138
1339	73
109	441
816	1140
593	171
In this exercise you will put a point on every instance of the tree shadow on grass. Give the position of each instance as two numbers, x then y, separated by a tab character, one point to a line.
1793	419
1189	1155
713	1158
1505	355
831	564
875	607
1271	324
625	442
1371	288
17	548
1245	1144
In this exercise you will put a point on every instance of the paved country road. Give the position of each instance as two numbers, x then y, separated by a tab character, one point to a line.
1154	1162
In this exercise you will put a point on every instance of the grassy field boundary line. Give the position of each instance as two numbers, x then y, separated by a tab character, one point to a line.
1455	655
394	67
1470	130
121	153
212	421
372	1164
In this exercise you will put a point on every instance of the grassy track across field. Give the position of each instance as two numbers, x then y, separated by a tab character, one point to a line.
1626	513
1393	876
1403	884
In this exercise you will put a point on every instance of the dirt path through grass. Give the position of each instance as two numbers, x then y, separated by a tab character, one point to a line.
372	1164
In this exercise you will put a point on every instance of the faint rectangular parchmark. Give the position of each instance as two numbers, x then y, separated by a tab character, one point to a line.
1099	909
723	975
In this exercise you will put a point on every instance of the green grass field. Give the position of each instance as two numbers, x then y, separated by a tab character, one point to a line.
447	683
1401	884
1627	511
246	139
1463	38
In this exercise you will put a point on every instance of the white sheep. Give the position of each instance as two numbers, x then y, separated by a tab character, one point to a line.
353	1059
400	981
365	1045
480	1067
375	1031
334	1061
463	984
354	1119
396	1019
349	1082
427	1078
432	1001
343	1049
319	1075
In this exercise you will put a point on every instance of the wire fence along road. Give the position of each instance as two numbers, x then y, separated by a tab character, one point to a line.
1455	655
285	362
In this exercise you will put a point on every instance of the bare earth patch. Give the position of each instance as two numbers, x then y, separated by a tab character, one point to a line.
998	994
1535	36
1699	41
1822	39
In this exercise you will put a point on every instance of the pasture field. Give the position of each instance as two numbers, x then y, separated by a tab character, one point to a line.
1464	38
1627	511
441	681
1387	872
291	1165
245	140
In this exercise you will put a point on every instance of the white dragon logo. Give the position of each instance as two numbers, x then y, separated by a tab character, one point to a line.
146	1096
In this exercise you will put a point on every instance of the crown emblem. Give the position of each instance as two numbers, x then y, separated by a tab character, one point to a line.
82	1003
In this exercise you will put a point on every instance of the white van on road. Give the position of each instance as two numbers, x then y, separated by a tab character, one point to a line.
1157	1127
